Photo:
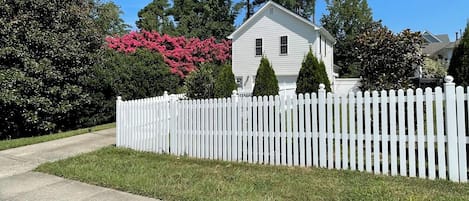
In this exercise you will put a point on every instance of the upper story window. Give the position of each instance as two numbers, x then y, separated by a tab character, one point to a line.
320	44
283	44
258	46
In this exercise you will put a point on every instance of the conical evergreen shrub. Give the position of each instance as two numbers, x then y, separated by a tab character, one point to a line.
266	82
459	64
225	82
312	73
199	83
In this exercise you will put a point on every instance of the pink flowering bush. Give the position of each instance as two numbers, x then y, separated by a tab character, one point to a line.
182	55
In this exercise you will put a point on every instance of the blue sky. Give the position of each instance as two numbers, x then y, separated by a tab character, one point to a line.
436	16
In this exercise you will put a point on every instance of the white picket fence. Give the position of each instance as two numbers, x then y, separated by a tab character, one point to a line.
409	133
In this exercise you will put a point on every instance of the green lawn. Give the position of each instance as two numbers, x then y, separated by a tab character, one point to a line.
173	178
8	144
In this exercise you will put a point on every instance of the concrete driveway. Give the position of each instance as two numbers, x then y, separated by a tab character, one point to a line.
17	182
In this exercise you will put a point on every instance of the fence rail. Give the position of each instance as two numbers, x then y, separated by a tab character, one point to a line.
408	133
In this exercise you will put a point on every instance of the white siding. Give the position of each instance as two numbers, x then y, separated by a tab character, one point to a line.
270	26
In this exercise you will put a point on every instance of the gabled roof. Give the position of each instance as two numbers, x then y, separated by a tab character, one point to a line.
431	38
323	31
443	37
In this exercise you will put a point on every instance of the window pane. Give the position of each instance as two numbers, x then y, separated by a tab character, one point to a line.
283	49
283	40
258	42
258	51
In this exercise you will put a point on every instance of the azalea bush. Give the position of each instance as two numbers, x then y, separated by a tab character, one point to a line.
181	54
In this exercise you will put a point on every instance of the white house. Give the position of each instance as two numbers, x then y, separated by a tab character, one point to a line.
284	38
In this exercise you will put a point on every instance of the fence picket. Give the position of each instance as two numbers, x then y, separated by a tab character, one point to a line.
250	122
314	127
337	137
295	130
265	134
271	131
277	130
330	132
283	122
376	134
402	135
245	128
255	124
411	132
360	132
289	131
307	113
344	133
301	127
384	132
420	136
239	128
367	120
430	133
461	112
261	128
392	130
353	137
440	133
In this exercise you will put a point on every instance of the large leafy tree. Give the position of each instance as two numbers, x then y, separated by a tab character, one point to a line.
203	19
154	17
345	21
47	48
388	60
459	64
106	15
304	8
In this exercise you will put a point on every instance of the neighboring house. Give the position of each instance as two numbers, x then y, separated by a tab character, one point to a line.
438	47
284	38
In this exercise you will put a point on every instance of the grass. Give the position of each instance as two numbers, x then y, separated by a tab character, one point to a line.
172	178
8	144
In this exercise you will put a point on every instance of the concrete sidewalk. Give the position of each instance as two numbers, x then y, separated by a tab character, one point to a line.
17	182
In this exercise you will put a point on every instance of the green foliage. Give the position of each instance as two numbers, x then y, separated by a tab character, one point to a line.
107	18
225	82
304	8
154	17
266	82
203	19
433	69
459	64
134	75
200	83
388	60
345	21
47	49
312	73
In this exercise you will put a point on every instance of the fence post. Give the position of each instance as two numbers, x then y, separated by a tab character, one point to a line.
451	128
165	96
118	121
322	125
234	96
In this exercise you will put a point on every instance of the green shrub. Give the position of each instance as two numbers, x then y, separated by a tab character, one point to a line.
266	82
312	73
200	83
134	75
225	82
459	64
433	69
